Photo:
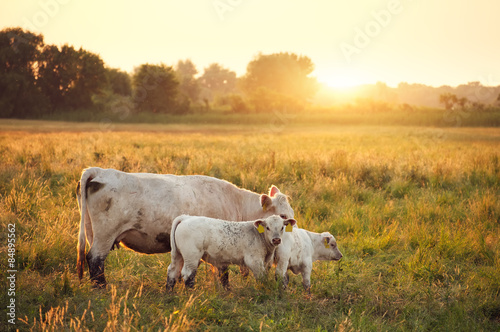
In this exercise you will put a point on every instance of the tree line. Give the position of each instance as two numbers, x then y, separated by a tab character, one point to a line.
37	79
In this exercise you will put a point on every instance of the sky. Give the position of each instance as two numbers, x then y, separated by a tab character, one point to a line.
351	42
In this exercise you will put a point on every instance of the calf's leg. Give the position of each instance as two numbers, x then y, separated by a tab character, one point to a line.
257	267
281	268
306	279
174	271
224	276
188	272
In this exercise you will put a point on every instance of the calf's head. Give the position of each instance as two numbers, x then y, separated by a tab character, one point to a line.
276	203
272	228
328	247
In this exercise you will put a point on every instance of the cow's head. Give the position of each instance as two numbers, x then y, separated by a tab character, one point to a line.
328	248
273	227
276	203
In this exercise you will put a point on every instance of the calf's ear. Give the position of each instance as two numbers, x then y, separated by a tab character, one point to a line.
273	191
266	202
289	223
259	224
326	238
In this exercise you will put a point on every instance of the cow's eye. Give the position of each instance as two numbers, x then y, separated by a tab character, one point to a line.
283	216
268	228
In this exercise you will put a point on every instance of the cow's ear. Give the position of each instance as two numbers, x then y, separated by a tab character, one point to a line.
266	202
273	191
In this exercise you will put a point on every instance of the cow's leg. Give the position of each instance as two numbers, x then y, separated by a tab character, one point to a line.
95	259
224	276
96	269
174	271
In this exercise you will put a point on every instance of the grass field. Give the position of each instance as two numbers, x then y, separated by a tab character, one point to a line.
415	211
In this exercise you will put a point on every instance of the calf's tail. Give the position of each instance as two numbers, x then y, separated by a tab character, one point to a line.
81	193
175	223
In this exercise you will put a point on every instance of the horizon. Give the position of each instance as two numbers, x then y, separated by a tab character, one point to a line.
350	44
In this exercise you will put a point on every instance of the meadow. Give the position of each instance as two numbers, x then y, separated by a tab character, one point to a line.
415	211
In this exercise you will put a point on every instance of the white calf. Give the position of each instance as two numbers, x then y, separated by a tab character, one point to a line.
221	243
300	249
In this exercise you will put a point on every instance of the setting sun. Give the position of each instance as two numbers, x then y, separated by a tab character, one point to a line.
344	77
340	82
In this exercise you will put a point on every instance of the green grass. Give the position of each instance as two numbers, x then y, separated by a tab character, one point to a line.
415	211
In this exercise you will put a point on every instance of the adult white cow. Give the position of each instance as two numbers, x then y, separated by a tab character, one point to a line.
300	249
220	243
137	210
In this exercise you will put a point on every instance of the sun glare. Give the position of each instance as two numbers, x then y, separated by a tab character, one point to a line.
340	82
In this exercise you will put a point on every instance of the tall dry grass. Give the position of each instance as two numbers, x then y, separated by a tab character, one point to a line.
415	211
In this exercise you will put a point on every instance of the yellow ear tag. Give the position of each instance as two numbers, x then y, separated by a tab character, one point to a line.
288	228
326	243
260	228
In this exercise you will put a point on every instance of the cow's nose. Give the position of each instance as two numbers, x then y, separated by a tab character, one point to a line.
276	241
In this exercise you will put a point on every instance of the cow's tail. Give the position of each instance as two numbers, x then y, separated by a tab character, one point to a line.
81	192
175	223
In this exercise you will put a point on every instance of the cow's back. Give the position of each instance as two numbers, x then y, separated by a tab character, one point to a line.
138	208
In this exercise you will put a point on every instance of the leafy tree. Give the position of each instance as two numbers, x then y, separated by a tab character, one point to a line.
284	77
116	95
20	96
237	103
57	75
155	89
69	77
218	80
188	85
462	102
232	101
448	100
119	81
186	69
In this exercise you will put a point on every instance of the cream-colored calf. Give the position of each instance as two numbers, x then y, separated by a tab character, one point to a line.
221	243
300	249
